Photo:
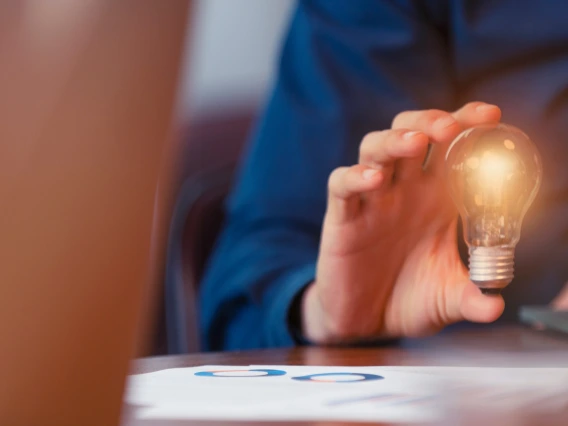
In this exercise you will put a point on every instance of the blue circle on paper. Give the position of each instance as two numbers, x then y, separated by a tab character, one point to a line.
321	377
223	373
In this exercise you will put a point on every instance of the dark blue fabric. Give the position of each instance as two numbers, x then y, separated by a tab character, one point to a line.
347	68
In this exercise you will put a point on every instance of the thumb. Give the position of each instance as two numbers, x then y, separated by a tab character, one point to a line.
464	300
478	307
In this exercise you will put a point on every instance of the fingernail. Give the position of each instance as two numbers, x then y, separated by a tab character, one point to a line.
445	122
369	173
485	108
410	135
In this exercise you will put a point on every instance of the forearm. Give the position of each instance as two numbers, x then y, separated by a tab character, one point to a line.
253	278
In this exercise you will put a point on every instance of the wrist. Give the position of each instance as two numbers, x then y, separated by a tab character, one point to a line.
313	318
318	327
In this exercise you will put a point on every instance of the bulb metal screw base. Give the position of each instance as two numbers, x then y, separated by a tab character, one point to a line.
491	268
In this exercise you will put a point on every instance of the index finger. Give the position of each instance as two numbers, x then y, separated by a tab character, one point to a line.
438	125
476	113
470	115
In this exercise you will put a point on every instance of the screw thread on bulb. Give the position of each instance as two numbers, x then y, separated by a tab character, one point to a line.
491	268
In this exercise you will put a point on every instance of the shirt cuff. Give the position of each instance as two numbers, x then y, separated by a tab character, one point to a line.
280	331
284	325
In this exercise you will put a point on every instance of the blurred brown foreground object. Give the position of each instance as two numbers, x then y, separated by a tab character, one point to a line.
86	96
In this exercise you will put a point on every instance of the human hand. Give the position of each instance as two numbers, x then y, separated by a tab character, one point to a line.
388	263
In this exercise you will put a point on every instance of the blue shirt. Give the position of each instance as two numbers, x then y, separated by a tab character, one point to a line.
347	68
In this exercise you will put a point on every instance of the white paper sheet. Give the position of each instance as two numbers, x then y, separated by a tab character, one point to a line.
387	394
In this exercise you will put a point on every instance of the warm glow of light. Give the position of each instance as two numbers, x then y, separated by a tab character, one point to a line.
493	169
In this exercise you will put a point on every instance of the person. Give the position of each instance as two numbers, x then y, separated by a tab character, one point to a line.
318	250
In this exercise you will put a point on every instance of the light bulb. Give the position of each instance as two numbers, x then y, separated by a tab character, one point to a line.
494	173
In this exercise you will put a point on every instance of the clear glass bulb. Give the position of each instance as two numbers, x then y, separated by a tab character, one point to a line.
494	173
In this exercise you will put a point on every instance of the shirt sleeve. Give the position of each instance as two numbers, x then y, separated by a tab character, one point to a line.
347	68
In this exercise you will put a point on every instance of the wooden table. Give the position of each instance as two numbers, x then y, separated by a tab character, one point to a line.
480	346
